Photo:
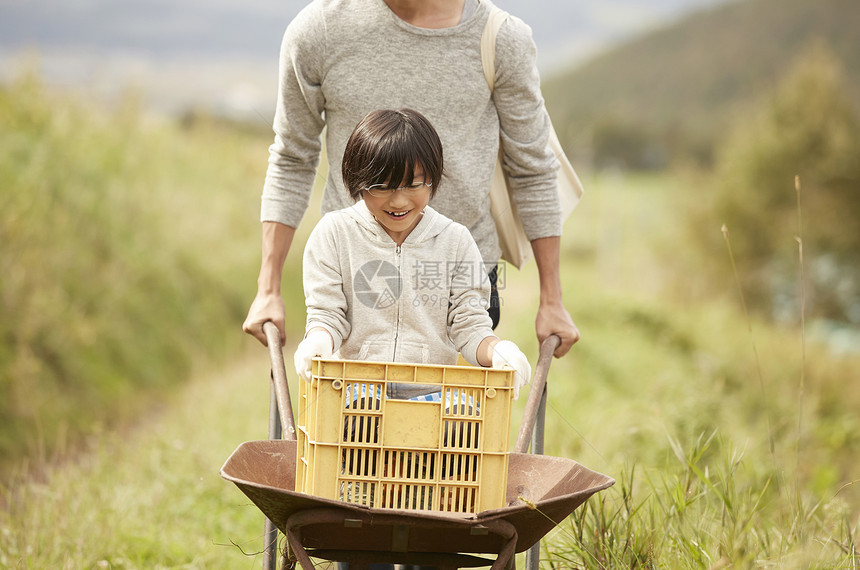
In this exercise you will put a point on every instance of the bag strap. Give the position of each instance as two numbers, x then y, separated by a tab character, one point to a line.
488	43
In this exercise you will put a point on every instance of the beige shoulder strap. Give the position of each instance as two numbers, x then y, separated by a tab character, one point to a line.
488	44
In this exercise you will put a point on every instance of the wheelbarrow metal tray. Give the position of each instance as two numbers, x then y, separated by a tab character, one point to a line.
541	492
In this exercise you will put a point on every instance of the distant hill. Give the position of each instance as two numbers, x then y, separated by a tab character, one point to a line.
673	92
221	55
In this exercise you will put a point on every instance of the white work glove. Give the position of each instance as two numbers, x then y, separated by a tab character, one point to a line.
317	343
506	353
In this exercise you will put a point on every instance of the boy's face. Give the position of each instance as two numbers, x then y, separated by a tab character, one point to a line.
401	210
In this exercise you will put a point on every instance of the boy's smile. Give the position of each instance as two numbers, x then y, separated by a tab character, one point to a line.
400	211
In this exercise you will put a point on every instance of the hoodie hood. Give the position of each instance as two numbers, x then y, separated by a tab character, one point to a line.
429	226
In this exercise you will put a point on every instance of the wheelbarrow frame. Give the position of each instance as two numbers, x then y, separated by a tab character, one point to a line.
282	426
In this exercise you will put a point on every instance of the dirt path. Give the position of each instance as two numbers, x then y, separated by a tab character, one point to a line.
152	497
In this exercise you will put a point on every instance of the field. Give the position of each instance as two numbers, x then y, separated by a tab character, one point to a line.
733	441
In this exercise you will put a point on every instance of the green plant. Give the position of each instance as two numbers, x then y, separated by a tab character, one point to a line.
808	128
107	293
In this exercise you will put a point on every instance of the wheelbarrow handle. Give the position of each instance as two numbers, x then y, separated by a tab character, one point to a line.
279	380
547	348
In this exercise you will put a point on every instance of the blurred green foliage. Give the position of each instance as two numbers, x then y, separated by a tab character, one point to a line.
124	258
807	128
733	439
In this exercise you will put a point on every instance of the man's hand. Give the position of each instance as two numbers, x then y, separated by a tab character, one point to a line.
268	304
266	307
554	319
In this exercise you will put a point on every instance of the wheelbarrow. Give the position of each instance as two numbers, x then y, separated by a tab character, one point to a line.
541	492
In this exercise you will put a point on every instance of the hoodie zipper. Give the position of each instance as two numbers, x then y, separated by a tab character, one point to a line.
397	262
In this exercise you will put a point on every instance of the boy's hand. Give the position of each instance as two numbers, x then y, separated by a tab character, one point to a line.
506	353
318	342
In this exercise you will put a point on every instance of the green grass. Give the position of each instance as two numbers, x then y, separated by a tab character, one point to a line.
124	260
149	497
696	411
719	458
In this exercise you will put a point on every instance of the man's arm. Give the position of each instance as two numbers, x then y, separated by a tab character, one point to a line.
268	304
552	317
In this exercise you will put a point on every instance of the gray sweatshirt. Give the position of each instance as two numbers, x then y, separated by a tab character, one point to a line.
341	59
421	302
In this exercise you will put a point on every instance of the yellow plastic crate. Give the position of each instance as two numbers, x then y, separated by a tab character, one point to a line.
359	446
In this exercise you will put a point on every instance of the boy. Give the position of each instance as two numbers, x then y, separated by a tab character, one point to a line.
389	278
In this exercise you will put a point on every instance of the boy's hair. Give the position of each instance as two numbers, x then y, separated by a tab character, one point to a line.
385	148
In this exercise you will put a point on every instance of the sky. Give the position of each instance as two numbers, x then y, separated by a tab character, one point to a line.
222	54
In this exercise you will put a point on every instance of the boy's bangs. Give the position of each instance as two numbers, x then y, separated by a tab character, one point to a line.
396	165
387	148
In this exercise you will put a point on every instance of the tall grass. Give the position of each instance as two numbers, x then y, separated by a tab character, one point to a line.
127	254
150	498
703	512
695	408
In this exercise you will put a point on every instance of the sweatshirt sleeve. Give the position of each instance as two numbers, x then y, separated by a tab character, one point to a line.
468	320
295	152
323	283
525	127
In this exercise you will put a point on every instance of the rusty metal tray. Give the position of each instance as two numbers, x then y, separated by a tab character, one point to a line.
541	492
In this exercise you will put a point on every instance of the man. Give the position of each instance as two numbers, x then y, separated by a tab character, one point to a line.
343	58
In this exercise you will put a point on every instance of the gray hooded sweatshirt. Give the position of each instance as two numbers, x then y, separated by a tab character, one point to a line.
421	302
341	59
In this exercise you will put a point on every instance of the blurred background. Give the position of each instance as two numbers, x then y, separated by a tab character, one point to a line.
713	268
223	55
